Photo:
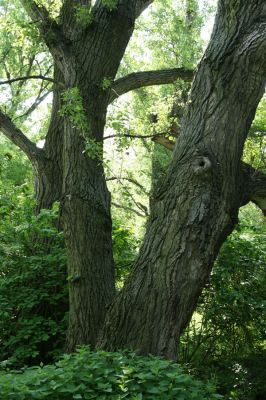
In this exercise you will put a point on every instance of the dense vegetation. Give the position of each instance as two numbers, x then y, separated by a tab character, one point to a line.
101	375
223	348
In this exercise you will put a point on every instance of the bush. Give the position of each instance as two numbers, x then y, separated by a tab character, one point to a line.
101	375
33	282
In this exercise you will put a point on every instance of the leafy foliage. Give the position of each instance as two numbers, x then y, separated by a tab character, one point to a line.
228	328
73	108
33	292
33	277
124	248
110	4
83	15
101	375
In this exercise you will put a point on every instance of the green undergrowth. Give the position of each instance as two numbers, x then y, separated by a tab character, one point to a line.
102	375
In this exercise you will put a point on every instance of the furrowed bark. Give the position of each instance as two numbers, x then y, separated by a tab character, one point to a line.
49	179
85	204
85	210
197	205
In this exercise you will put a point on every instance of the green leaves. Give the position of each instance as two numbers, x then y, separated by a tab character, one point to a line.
73	108
83	15
110	4
33	287
106	83
102	375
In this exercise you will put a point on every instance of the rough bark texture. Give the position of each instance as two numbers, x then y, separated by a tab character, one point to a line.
84	56
95	55
86	200
197	206
49	169
148	78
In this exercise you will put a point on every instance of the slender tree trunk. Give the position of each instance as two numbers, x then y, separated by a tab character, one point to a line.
197	206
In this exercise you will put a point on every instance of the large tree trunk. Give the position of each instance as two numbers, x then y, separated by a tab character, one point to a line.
197	206
85	203
88	233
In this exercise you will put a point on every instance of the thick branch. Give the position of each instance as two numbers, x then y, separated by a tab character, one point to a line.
25	78
141	5
8	128
140	79
254	187
164	141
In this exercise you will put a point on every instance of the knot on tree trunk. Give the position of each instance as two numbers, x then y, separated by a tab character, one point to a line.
201	166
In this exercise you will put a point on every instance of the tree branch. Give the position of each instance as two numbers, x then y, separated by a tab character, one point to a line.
24	78
164	141
33	107
50	31
254	187
8	128
131	180
141	5
126	208
140	79
128	135
159	138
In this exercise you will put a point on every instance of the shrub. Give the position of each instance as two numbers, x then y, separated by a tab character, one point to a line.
33	284
102	375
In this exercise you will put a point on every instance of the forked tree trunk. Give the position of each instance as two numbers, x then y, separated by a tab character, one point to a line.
197	206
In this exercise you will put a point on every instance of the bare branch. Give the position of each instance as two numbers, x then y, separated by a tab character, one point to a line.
159	138
25	78
126	208
8	128
29	69
131	180
140	79
128	135
36	103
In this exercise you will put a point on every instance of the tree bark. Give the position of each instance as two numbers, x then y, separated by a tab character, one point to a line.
197	206
49	170
148	78
85	204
